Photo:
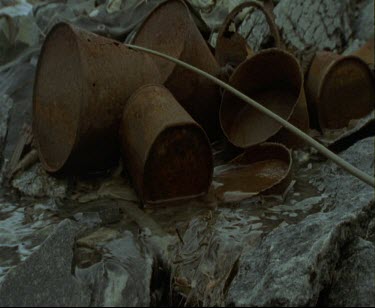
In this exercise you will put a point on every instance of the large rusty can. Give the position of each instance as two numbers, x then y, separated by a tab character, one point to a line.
273	78
166	153
171	29
338	90
82	83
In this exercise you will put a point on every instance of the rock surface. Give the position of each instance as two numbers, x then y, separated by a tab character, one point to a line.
5	107
35	182
123	277
354	284
295	263
6	104
46	278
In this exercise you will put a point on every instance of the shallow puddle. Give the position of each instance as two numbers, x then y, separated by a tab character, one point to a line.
236	182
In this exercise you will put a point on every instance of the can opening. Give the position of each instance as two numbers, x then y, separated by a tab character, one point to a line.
347	93
57	97
274	79
179	165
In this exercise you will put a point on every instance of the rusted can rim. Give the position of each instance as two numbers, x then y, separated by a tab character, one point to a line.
179	48
254	58
330	69
43	161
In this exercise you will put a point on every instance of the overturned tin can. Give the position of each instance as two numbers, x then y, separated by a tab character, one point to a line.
81	85
167	154
171	29
273	78
338	89
264	168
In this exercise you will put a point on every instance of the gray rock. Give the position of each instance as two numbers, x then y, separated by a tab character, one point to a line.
204	264
90	220
364	24
46	278
371	231
6	104
123	277
293	265
354	284
315	23
17	82
35	182
23	230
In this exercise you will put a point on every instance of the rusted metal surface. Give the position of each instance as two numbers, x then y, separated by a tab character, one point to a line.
170	29
338	89
231	47
264	168
167	154
273	78
366	53
82	83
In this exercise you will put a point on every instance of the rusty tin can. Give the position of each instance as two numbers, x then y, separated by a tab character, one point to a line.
82	83
338	89
171	29
231	47
167	154
273	78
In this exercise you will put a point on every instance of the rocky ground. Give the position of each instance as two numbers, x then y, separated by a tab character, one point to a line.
314	247
86	242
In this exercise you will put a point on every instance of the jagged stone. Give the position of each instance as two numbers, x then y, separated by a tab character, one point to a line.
354	284
294	264
123	277
46	278
35	182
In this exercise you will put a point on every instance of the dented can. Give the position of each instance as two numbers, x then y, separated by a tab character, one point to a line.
338	89
166	153
170	29
82	83
273	78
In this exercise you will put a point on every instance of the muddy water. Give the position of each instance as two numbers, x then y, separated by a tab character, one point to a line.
240	181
